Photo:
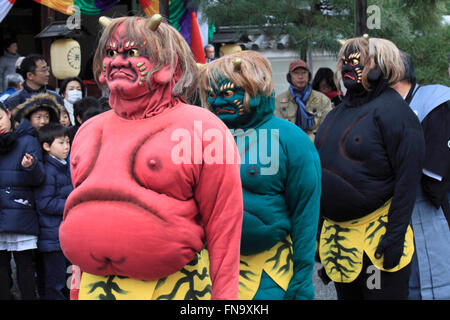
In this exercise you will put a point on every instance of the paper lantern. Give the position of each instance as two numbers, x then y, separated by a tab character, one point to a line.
65	55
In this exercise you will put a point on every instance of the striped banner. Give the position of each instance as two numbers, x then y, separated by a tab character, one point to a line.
87	7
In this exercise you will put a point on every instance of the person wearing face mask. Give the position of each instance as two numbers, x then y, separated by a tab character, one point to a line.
371	148
72	89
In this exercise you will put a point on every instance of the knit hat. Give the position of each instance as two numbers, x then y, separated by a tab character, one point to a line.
39	101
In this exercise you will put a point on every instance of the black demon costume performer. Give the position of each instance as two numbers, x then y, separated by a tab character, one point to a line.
371	148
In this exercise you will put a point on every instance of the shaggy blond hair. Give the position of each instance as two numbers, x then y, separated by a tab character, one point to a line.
163	47
254	75
375	53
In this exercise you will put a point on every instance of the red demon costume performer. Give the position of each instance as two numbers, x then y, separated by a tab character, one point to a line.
137	211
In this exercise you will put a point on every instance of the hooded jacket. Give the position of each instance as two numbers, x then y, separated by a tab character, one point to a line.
38	101
17	203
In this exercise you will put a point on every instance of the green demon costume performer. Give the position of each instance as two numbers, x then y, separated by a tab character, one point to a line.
280	173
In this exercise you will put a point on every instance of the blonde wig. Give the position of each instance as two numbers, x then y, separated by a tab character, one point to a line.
376	53
163	47
248	70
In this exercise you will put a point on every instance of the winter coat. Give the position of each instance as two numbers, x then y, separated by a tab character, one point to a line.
7	66
317	105
22	95
50	200
17	204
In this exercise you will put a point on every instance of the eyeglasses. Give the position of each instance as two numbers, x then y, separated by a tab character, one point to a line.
44	69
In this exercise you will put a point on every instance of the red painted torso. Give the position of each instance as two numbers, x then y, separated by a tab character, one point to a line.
133	210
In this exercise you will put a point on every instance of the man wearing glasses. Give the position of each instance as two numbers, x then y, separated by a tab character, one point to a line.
300	104
36	72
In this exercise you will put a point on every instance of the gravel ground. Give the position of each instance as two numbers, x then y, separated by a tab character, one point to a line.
322	291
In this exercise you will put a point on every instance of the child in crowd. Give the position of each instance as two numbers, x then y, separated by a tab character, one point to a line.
39	110
21	170
64	118
50	200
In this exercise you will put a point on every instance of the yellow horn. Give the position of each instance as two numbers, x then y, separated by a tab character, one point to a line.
342	42
104	21
155	21
366	36
237	64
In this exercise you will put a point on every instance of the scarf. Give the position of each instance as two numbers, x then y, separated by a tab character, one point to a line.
303	119
331	95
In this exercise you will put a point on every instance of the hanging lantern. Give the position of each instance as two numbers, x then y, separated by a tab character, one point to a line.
65	56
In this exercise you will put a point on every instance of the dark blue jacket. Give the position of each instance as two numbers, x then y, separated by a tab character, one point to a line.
50	200
17	205
26	92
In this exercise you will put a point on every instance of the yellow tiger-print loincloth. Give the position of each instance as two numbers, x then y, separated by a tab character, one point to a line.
277	262
192	282
342	245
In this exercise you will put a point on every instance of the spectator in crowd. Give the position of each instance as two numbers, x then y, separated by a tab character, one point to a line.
72	90
14	83
210	53
50	201
64	118
21	171
8	62
431	103
324	82
38	110
36	72
300	104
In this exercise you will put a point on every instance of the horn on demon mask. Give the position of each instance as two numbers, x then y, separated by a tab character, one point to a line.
104	21
154	22
237	64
